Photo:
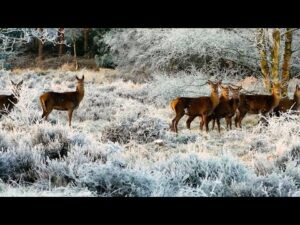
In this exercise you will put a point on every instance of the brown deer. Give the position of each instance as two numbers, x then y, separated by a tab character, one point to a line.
222	108
66	101
7	102
193	107
286	104
226	108
233	104
255	104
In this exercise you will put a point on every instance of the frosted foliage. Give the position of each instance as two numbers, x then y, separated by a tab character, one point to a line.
148	50
120	143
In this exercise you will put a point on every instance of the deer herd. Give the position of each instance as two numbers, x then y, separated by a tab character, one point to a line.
215	107
208	108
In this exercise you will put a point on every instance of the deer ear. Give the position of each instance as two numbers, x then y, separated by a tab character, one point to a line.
12	82
209	82
82	77
77	78
20	83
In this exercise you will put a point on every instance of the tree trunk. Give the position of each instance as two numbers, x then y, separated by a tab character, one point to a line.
41	44
86	41
61	37
261	45
275	55
75	55
286	61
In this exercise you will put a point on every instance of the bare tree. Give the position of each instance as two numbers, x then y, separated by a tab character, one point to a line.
61	39
286	60
73	34
261	45
86	39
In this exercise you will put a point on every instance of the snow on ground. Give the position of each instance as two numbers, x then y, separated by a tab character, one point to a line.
120	144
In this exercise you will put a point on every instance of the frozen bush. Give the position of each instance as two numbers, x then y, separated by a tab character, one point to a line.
18	166
108	181
164	87
273	185
52	140
143	130
56	173
192	171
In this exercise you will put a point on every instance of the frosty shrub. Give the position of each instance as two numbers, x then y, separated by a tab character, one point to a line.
272	185
97	104
164	88
4	142
142	130
141	51
108	181
26	111
292	154
192	171
57	173
181	138
8	190
52	140
19	166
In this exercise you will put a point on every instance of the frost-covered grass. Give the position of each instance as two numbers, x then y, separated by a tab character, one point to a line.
120	144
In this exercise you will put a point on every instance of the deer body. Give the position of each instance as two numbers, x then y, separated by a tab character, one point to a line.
286	104
222	109
7	102
255	104
65	101
233	105
193	107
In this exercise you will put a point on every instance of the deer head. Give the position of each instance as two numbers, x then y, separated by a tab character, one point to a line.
235	91
214	86
80	83
225	91
16	88
297	91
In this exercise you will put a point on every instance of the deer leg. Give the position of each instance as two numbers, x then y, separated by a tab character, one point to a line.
189	120
240	118
213	124
228	122
218	123
176	120
47	113
205	121
201	123
70	113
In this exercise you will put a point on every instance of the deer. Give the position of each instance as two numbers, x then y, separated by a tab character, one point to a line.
63	101
287	104
233	104
7	102
255	104
223	108
201	106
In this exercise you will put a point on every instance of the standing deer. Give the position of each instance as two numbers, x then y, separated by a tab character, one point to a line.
7	102
255	104
222	108
193	107
286	104
66	101
233	104
226	108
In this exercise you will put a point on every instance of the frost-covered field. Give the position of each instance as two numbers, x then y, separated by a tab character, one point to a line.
120	143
